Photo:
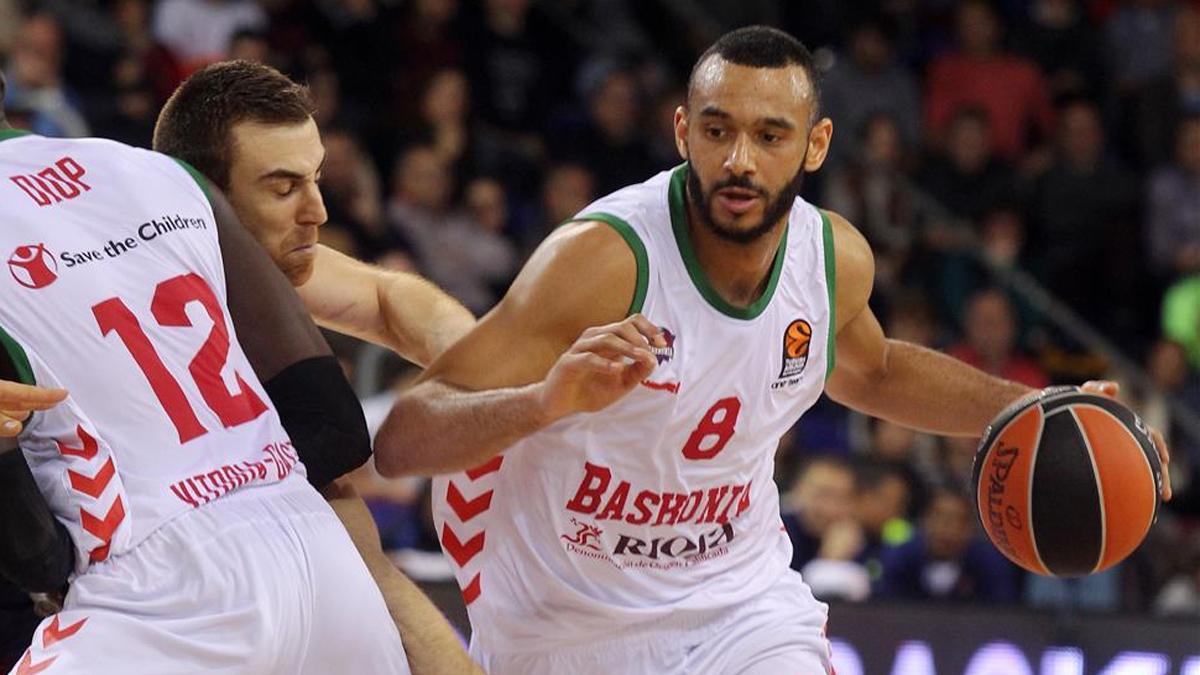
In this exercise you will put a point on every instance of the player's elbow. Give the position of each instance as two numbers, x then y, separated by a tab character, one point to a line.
393	452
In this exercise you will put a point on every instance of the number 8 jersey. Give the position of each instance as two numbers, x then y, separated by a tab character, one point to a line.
115	290
662	506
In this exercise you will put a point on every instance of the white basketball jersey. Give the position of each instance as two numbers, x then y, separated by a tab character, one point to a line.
115	291
662	505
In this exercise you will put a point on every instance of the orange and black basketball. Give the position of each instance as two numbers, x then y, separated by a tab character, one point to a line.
1067	483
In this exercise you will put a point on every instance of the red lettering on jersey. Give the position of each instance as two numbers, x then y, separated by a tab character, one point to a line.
615	508
715	495
54	184
733	497
668	508
642	503
691	506
591	488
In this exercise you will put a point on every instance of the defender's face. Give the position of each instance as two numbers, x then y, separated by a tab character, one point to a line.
273	187
747	135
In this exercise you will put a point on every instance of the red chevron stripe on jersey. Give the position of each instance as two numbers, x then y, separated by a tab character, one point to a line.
28	667
103	529
471	592
53	633
467	509
462	552
93	487
490	466
87	451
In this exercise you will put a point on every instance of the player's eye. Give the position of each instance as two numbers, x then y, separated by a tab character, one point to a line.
285	189
770	138
714	133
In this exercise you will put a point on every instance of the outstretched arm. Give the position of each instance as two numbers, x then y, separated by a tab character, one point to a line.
534	359
401	311
900	381
906	383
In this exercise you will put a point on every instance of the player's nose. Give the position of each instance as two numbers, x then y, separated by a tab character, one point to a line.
312	209
740	160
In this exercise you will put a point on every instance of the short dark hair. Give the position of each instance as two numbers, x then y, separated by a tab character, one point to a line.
196	122
762	47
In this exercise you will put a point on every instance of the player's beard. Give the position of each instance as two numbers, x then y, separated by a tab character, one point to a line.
776	207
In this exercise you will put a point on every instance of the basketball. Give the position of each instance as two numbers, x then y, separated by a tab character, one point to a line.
1067	483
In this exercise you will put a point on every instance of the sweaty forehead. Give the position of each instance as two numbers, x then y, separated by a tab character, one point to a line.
259	148
755	92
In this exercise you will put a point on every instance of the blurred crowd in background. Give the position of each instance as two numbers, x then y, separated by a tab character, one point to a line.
972	139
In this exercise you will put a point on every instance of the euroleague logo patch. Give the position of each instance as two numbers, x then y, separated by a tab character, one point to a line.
796	339
33	266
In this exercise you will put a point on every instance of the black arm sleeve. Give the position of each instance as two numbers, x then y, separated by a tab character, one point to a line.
315	402
36	552
323	417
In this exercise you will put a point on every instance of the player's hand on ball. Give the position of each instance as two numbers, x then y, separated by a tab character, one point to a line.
1111	389
604	364
19	401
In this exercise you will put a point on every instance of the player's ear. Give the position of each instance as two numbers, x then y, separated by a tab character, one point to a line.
819	138
681	129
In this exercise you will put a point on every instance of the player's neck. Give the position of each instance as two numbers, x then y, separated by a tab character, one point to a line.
738	272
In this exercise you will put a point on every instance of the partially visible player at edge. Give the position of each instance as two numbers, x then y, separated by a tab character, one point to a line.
250	130
696	316
198	544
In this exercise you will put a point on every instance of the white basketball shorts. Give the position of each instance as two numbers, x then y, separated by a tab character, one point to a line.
263	580
781	632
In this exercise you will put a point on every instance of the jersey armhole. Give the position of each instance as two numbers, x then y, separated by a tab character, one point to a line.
831	288
196	176
14	362
635	244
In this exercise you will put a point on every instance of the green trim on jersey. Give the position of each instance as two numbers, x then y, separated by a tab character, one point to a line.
639	253
6	134
677	199
197	176
831	287
19	358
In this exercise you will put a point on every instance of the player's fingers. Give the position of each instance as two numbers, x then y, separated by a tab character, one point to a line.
1164	459
1102	387
592	362
647	329
17	396
10	424
610	346
639	370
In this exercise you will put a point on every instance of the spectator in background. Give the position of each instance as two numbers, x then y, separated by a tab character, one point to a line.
566	190
1058	37
444	122
661	126
1009	88
947	560
883	496
967	177
353	198
453	250
1083	212
249	44
1146	24
827	542
162	70
990	341
609	140
199	32
36	83
866	85
427	41
1173	220
1167	101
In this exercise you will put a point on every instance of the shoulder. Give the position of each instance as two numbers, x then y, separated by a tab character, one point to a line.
585	273
854	266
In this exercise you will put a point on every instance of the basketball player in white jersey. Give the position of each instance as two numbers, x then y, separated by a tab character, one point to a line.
200	547
631	524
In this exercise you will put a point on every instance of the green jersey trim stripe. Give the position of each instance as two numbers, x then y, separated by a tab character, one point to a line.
197	176
678	204
639	253
6	134
19	358
831	287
